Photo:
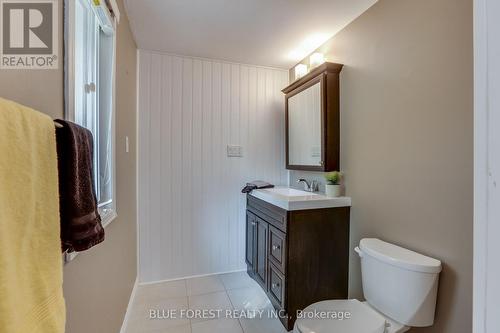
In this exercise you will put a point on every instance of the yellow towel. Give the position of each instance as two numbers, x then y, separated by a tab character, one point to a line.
31	298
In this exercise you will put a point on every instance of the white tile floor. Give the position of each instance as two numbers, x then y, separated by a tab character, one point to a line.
233	291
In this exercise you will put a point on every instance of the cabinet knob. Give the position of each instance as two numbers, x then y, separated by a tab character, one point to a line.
276	247
275	285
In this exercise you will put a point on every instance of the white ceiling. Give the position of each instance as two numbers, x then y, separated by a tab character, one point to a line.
276	33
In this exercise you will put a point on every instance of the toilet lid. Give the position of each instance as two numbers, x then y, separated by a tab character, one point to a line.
333	316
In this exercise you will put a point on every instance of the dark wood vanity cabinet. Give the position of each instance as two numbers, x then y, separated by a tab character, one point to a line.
297	257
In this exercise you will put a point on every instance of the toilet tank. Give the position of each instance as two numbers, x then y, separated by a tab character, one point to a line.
399	283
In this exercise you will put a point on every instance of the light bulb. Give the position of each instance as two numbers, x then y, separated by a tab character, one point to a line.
300	71
316	59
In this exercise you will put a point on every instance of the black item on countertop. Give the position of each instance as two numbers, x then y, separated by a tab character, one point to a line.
256	184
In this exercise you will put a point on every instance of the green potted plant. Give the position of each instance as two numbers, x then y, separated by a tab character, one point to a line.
333	187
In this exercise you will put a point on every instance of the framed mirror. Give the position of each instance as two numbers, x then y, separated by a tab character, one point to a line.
313	120
305	126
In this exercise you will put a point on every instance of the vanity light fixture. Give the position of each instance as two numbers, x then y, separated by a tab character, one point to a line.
316	59
300	71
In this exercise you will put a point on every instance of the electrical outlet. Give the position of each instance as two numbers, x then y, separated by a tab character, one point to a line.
234	151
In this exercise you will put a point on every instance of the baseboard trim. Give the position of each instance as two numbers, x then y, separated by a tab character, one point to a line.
129	306
189	277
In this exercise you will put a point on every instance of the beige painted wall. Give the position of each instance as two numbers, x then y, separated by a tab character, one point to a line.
98	283
42	90
407	145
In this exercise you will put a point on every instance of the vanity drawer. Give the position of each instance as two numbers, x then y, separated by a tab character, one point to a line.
277	248
276	288
270	213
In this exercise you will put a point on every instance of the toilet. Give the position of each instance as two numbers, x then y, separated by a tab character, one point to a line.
400	288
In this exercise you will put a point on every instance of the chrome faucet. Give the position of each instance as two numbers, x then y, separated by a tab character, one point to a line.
309	187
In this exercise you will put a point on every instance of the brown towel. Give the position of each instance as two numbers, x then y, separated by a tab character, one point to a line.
80	221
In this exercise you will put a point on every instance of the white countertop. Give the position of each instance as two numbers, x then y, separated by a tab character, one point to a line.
292	199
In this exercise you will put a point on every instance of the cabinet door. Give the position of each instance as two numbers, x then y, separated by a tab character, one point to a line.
250	252
261	258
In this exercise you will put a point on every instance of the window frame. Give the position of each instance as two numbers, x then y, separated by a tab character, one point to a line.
110	213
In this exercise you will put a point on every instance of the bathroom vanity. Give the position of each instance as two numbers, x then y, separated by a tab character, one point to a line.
297	247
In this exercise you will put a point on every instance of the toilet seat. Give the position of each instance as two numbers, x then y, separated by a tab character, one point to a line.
363	319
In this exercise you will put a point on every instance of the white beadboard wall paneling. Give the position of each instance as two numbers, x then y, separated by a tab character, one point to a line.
191	211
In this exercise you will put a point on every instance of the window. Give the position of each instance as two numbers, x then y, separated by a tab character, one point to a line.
89	68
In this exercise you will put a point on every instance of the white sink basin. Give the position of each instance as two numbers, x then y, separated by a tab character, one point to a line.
289	192
292	199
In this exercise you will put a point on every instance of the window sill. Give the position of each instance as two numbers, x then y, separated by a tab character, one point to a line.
107	216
